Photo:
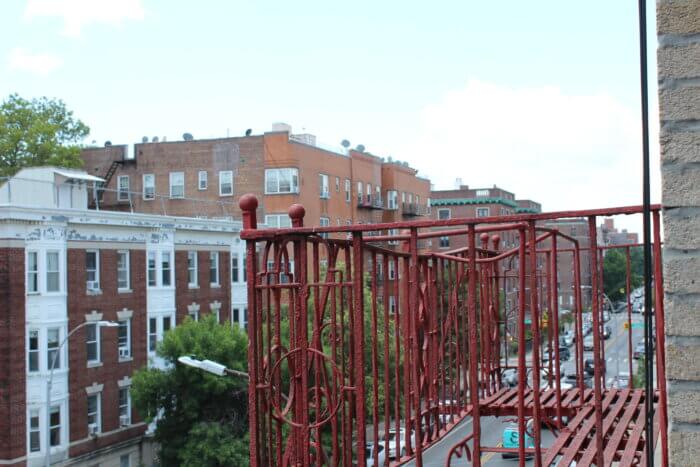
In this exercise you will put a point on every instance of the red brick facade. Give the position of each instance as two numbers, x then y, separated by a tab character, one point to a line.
204	295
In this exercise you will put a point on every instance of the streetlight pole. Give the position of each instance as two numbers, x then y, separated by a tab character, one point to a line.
47	459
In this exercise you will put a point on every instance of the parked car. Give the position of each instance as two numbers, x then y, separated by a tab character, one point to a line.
606	316
573	380
569	338
510	377
588	342
511	439
607	332
564	354
370	449
589	366
587	329
391	442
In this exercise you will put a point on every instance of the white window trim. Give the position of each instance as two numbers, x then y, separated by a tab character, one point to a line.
60	426
59	262
486	210
38	429
195	269
98	360
348	190
126	388
294	188
123	317
324	189
212	255
153	253
128	271
35	272
37	351
120	191
235	261
171	267
228	173
202	176
278	221
449	213
98	413
46	349
172	176
97	271
143	190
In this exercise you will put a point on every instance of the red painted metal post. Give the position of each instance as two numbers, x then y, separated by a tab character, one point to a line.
628	288
534	314
522	268
359	346
554	287
660	341
473	370
597	390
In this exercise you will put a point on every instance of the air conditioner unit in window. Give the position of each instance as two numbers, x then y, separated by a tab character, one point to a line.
124	352
124	420
93	430
93	285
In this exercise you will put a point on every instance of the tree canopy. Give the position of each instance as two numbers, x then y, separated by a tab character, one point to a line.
202	418
38	132
615	271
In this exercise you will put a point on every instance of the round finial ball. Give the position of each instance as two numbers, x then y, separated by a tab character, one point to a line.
496	239
484	237
296	211
248	202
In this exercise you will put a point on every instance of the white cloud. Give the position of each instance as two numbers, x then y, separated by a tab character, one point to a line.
565	151
78	13
37	63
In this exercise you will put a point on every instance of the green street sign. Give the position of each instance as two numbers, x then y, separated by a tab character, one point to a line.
637	325
528	321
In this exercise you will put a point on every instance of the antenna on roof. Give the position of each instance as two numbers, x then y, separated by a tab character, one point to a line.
187	136
345	143
249	131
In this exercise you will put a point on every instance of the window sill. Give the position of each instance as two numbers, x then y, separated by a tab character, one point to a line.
282	193
224	195
93	292
125	291
215	286
34	293
126	359
192	286
94	364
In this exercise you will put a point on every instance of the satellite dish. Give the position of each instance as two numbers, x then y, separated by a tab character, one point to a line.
108	143
345	143
360	147
144	139
187	136
389	159
155	139
249	131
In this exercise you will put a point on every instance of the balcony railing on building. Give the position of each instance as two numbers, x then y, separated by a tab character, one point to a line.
413	209
370	202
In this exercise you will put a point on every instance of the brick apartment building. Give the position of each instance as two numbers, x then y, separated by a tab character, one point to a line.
608	235
63	266
336	185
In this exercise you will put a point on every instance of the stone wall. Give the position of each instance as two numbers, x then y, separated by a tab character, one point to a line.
678	24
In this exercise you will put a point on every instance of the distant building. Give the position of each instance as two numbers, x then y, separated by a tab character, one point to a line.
64	266
608	235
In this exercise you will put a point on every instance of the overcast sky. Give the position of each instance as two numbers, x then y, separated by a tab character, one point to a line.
539	97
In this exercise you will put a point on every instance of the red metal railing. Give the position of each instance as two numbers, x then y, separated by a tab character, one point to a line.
362	352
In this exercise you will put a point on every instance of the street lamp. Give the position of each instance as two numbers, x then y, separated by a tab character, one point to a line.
108	324
211	366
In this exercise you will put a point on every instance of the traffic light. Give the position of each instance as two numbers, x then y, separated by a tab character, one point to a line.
626	325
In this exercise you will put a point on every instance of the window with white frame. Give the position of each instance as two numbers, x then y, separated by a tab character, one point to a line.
149	186
92	343
52	342
378	194
348	195
278	221
482	193
32	272
166	268
55	426
403	196
410	198
393	232
202	180
235	269
92	269
392	270
324	222
214	268
444	242
369	193
124	406
360	194
123	188
226	183
444	214
192	278
151	273
123	273
93	412
34	431
337	184
244	272
124	338
193	311
152	334
392	199
53	272
323	186
239	317
125	460
392	305
177	184
284	180
417	199
482	212
33	350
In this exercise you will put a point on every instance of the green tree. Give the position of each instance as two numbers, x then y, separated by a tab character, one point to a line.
615	271
38	132
202	418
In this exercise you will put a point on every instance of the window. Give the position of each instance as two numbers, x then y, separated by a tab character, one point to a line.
177	184
444	214
124	407
417	199
93	412
52	343
34	431
92	342
369	193
482	212
347	190
202	180
239	317
392	199
377	193
323	186
166	273
152	269
403	196
192	279
226	183
53	274
281	181
234	268
243	268
92	269
393	232
193	312
392	305
392	270
324	222
123	188
444	242
149	186
167	322
33	350
32	272
214	268
359	192
123	279
55	426
152	334
278	221
410	198
337	184
481	193
124	338
125	460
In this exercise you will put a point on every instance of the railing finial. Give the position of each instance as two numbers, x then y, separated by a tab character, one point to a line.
296	213
484	237
496	239
248	204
